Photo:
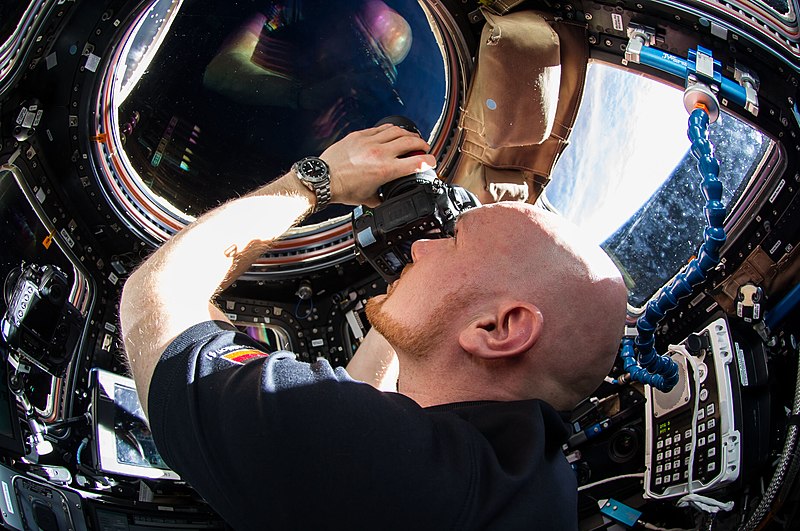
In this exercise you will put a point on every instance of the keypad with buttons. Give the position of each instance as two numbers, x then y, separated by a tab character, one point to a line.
712	441
673	448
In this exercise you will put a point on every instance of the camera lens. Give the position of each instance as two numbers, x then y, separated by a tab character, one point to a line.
623	445
10	283
400	121
55	293
409	182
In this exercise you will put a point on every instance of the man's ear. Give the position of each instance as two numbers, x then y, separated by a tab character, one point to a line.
512	330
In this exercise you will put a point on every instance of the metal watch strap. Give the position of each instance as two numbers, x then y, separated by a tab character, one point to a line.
322	190
323	193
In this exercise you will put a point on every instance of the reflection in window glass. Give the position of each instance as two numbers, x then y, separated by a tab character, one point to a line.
23	238
10	16
238	91
628	179
272	338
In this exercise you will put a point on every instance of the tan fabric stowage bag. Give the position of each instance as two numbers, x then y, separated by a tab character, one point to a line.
521	104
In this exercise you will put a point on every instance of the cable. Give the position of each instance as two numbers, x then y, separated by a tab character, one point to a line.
86	417
784	464
81	446
639	475
656	528
697	501
308	313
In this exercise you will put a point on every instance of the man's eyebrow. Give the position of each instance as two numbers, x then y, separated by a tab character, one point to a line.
464	214
459	219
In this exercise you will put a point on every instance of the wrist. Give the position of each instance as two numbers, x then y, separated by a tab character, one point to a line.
288	184
314	174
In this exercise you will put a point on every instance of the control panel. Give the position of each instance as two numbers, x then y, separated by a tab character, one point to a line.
693	444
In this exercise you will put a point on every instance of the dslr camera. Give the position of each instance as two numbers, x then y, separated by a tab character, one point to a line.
40	323
414	207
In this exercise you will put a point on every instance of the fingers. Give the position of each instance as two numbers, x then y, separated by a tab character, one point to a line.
367	159
396	143
409	165
405	144
388	132
379	128
387	142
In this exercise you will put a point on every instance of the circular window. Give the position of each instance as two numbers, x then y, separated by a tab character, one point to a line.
206	101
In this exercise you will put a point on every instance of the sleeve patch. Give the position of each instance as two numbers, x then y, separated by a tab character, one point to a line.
240	355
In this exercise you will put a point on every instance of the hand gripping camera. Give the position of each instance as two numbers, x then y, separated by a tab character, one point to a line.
414	207
40	323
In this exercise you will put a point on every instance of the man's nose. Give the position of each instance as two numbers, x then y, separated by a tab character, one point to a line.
419	248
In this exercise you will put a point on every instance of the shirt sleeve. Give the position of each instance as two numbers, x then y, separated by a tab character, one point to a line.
268	440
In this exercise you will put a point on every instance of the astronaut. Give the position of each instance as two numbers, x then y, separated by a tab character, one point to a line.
496	331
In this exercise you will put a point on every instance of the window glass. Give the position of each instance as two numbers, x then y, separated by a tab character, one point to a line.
273	338
10	16
235	92
629	180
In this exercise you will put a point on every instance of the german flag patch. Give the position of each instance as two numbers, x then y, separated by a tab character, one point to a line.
244	355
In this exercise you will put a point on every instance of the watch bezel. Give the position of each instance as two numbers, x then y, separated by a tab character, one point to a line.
310	178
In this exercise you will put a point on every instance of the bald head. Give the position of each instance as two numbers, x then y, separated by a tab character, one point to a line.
518	305
543	259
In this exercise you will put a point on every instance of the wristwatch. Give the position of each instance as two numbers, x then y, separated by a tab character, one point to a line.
315	174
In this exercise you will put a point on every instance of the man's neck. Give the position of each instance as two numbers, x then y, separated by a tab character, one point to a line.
429	386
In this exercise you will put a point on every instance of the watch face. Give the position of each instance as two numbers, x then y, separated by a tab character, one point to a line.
313	170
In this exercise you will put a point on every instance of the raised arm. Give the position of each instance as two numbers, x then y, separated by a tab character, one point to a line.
174	288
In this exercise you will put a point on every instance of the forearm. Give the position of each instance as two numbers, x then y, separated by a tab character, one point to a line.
173	289
193	265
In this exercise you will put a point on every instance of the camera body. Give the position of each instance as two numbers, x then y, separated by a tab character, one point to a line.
414	207
40	323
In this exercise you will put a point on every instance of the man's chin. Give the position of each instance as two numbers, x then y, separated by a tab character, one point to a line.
383	323
373	308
